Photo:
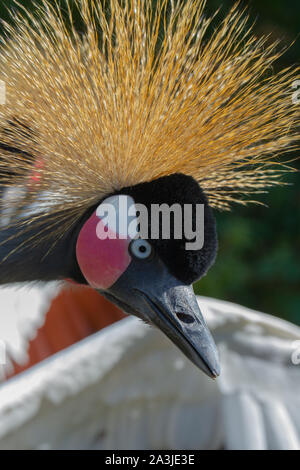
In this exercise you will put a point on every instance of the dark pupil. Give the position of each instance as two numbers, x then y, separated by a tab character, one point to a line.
142	249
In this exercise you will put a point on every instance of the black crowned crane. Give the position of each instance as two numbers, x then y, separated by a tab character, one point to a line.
137	109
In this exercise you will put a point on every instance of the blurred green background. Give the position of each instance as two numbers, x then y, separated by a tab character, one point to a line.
258	264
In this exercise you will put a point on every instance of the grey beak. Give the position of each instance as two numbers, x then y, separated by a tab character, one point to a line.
152	293
175	311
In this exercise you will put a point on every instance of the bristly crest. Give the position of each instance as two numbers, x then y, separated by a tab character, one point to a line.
141	93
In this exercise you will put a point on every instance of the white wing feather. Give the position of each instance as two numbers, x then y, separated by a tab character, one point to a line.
128	387
259	383
22	312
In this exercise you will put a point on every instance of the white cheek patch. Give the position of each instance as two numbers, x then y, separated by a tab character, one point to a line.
102	247
118	219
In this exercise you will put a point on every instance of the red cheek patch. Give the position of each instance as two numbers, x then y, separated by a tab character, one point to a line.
101	262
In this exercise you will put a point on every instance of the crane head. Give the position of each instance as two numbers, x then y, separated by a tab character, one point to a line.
126	111
130	250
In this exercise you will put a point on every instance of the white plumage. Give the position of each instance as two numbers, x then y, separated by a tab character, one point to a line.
22	312
128	387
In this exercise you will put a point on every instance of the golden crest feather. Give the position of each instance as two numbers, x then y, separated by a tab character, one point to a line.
141	93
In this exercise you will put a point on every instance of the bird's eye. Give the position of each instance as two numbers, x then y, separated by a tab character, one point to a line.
140	249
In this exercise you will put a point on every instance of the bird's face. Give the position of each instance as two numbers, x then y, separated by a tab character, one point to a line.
151	277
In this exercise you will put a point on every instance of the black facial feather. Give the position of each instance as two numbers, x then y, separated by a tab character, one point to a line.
38	263
186	265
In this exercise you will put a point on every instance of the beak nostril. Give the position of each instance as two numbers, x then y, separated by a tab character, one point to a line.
185	317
